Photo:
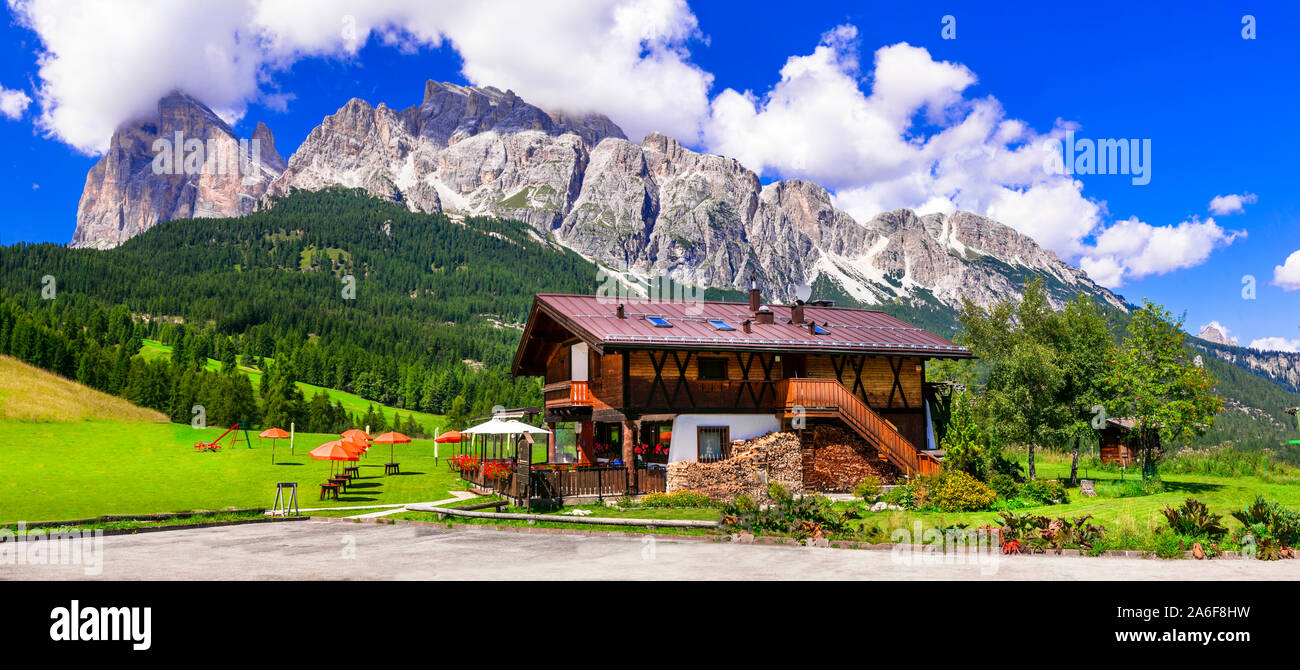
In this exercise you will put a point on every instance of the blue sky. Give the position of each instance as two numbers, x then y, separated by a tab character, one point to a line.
1217	108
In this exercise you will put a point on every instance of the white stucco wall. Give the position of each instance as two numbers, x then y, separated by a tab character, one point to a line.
743	427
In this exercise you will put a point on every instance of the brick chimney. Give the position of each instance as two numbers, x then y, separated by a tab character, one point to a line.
764	315
620	313
796	313
746	327
755	299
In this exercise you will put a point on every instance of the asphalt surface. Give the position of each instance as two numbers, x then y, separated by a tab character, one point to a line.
318	550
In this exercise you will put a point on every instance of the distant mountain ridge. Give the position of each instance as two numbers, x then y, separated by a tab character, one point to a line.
650	208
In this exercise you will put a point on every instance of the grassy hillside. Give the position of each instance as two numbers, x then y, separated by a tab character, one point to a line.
354	404
29	393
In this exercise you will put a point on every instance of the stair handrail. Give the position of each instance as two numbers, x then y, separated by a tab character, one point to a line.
803	391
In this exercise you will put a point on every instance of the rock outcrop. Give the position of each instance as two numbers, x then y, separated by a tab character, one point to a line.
183	163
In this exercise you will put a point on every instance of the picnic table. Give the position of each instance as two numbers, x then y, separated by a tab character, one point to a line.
342	483
329	489
353	471
392	469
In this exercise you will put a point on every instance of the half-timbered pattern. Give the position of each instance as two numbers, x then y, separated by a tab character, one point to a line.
636	383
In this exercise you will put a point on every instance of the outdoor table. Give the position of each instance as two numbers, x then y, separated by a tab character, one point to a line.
392	469
329	489
341	482
353	471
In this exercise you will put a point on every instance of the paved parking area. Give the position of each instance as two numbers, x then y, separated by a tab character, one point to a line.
328	550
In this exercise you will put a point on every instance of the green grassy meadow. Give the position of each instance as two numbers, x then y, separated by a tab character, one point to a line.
59	471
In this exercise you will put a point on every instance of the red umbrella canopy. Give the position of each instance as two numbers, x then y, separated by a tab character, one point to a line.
274	433
356	433
332	451
449	436
354	446
392	438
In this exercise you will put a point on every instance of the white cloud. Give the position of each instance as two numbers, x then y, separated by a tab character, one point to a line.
911	139
1132	249
1223	205
1287	275
1275	344
102	64
13	103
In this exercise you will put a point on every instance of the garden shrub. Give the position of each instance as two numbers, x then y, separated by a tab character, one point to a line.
868	489
676	499
1193	521
1045	492
1005	486
798	516
959	492
1274	530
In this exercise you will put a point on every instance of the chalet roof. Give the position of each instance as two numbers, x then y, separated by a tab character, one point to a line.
594	319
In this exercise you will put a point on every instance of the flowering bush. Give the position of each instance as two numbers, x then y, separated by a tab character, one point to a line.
960	492
496	469
657	450
464	461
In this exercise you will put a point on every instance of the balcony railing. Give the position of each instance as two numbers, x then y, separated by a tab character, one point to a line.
566	393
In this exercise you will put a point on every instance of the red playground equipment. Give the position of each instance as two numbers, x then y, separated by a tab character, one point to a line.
215	445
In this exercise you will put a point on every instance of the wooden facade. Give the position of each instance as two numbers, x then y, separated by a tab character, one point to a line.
607	383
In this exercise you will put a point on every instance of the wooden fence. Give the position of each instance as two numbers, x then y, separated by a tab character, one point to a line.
583	481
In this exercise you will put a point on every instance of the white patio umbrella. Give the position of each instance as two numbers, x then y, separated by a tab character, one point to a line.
504	427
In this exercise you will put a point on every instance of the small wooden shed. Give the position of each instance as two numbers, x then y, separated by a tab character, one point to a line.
1115	446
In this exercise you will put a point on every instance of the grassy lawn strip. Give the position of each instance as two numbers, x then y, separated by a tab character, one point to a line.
127	524
57	471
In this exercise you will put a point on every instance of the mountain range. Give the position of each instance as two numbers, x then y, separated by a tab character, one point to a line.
649	208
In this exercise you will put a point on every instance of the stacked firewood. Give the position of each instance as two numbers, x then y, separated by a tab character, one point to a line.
836	459
753	464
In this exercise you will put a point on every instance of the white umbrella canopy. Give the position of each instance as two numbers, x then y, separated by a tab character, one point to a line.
506	427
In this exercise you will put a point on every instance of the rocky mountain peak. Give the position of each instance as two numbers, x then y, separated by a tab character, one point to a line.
656	207
183	162
1216	333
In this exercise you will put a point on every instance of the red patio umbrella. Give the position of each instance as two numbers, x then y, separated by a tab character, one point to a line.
357	433
390	439
357	447
273	434
332	451
449	436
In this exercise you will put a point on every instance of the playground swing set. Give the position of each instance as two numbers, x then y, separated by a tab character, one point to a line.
235	439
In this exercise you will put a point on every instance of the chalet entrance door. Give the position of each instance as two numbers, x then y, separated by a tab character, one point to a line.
794	365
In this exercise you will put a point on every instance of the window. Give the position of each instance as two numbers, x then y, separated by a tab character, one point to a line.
818	330
659	322
713	369
714	443
720	324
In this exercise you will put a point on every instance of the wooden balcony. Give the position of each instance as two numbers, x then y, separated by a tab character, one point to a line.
567	394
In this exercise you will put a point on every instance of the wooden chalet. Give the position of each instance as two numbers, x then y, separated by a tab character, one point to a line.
638	384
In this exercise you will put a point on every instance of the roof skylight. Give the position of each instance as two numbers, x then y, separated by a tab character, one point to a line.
720	324
659	322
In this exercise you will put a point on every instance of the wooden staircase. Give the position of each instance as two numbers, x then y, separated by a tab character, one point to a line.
829	398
